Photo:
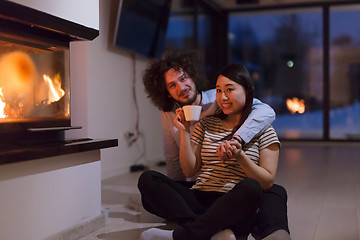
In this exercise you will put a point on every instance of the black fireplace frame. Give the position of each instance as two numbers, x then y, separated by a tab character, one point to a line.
30	139
44	24
31	27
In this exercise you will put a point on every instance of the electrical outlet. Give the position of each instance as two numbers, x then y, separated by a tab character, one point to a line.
130	137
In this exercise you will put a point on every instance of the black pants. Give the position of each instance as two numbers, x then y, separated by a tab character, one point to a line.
202	214
272	214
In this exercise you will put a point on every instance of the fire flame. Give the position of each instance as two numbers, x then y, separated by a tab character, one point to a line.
2	105
55	91
22	92
295	105
14	109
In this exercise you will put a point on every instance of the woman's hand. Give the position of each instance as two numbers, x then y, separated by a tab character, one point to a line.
229	149
236	148
224	150
180	122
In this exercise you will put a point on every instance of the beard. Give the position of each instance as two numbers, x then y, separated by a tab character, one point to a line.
189	100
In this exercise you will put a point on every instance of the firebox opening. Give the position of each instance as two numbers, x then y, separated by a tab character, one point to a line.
34	81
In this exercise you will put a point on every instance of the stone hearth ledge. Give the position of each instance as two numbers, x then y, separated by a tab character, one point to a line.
10	153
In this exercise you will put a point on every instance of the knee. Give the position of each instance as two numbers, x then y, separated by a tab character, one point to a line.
145	178
250	187
279	191
253	185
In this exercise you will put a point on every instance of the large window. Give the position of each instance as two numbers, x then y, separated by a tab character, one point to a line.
345	72
304	60
283	52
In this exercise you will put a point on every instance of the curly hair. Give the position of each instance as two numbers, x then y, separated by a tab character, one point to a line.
154	76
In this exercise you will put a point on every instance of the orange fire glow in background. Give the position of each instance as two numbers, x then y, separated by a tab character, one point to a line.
295	105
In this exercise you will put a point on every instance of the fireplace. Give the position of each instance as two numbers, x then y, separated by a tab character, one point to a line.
35	77
34	73
54	180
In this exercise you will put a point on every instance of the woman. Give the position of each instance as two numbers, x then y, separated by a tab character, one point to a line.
227	194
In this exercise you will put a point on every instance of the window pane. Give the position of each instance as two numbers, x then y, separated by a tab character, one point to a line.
180	32
345	72
203	43
283	52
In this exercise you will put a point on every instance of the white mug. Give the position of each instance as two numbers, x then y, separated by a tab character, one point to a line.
192	112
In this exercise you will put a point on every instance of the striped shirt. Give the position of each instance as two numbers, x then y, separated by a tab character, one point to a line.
214	175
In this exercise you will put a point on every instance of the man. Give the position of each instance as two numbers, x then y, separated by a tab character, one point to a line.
178	80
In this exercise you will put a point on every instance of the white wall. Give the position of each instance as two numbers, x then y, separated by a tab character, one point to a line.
102	88
42	197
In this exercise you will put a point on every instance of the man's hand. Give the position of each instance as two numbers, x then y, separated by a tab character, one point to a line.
180	122
239	139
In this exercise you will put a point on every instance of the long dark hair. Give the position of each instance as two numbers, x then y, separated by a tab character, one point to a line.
190	62
239	74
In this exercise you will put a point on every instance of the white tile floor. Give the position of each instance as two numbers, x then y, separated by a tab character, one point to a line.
322	180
